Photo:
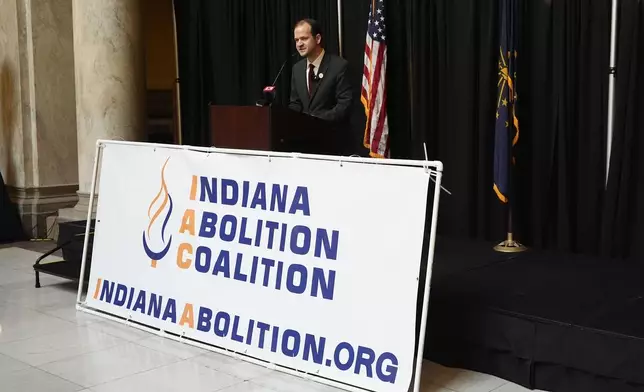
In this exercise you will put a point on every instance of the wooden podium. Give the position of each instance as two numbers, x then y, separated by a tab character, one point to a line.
272	128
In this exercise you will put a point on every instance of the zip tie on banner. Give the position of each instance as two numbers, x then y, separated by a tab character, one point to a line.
203	151
427	170
442	187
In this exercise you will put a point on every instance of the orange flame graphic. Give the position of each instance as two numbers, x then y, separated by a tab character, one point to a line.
167	199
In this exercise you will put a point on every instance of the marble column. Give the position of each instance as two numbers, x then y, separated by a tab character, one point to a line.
109	57
37	109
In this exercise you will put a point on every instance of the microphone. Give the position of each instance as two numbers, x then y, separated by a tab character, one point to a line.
269	91
282	68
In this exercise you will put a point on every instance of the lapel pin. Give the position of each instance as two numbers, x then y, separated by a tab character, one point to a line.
321	75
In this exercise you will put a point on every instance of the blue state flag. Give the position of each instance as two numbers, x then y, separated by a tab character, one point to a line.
506	133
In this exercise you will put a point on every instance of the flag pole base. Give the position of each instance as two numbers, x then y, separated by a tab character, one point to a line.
510	246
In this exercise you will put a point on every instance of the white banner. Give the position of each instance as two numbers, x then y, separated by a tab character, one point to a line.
304	263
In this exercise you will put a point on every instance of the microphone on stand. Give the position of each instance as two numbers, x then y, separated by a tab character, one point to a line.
269	91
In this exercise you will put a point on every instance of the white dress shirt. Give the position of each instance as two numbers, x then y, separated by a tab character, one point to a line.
317	62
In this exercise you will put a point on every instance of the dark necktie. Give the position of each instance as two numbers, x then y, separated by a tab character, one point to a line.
311	78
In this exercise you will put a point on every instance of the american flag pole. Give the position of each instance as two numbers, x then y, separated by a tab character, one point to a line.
374	92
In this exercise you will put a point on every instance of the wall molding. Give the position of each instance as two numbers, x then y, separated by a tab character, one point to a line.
36	204
31	195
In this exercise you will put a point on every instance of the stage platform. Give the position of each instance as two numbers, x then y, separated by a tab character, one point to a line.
543	320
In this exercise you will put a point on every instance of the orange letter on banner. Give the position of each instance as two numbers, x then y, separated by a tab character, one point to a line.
193	188
98	287
188	316
184	264
188	222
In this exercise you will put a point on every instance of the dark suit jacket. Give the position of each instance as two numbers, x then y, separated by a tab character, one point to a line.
332	97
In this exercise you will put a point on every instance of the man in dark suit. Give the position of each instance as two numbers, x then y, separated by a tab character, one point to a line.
319	82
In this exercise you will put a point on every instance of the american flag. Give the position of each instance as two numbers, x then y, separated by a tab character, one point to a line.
374	91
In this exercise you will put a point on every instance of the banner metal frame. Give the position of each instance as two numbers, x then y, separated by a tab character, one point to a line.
434	170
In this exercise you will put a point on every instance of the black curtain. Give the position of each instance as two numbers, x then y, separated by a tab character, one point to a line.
230	49
453	61
443	77
564	78
442	86
623	229
561	79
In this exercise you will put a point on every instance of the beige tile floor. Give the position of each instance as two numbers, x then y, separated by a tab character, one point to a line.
46	345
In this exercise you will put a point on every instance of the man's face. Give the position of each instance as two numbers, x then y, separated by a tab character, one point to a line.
304	41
